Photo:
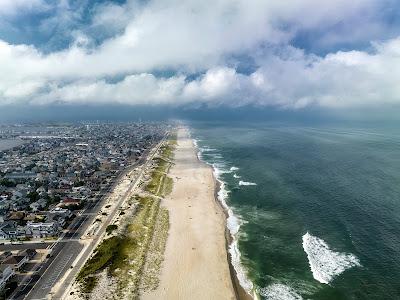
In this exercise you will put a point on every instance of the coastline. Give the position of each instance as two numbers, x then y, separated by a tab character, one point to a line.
196	260
240	291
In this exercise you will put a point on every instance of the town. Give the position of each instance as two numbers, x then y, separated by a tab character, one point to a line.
49	177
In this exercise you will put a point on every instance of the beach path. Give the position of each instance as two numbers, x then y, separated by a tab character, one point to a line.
196	262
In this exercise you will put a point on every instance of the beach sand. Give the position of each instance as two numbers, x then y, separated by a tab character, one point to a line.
196	263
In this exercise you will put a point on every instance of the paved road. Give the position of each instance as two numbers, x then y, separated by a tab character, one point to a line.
68	248
63	254
99	235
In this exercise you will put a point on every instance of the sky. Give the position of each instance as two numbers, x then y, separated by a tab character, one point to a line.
292	55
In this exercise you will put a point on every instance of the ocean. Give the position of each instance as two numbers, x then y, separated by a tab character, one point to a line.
314	211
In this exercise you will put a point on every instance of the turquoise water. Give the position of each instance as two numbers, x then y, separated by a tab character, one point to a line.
319	207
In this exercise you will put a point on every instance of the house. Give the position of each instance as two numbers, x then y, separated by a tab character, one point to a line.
38	205
30	253
6	273
21	231
61	211
30	217
39	230
68	202
41	190
8	230
4	204
59	215
60	220
16	262
16	216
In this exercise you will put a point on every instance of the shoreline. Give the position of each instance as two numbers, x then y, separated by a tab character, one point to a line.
196	259
240	292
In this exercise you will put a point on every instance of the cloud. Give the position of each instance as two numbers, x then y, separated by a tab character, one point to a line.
187	38
339	80
13	7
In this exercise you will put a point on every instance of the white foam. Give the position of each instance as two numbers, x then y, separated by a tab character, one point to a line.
220	169
325	263
239	269
234	168
233	223
246	183
236	176
207	149
278	291
216	156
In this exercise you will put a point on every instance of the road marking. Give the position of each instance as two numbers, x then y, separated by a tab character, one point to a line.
52	280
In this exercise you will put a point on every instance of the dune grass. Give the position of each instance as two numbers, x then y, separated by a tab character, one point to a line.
124	256
133	257
160	184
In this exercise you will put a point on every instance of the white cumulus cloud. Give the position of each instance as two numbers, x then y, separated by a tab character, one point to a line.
188	38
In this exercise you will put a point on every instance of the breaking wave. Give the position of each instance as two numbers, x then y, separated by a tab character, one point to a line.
246	183
233	222
236	176
325	263
278	291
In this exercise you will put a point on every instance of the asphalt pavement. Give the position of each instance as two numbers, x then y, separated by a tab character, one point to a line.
64	251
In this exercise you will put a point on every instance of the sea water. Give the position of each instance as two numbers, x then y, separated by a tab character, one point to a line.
314	212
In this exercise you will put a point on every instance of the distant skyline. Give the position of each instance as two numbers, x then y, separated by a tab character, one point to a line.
289	55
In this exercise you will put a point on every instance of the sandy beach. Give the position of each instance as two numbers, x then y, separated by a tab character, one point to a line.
196	264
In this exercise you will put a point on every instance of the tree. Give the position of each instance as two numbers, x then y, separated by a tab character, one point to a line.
33	196
8	183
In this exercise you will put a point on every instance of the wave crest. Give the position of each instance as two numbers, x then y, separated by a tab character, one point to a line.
278	291
325	263
233	222
246	183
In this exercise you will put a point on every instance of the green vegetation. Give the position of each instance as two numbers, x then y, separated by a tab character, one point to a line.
7	183
133	258
111	228
103	256
123	256
33	196
168	184
155	256
160	184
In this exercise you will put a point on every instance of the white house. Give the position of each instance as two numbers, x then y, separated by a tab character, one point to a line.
39	230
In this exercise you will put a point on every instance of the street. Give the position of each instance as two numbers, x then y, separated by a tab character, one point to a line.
67	249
